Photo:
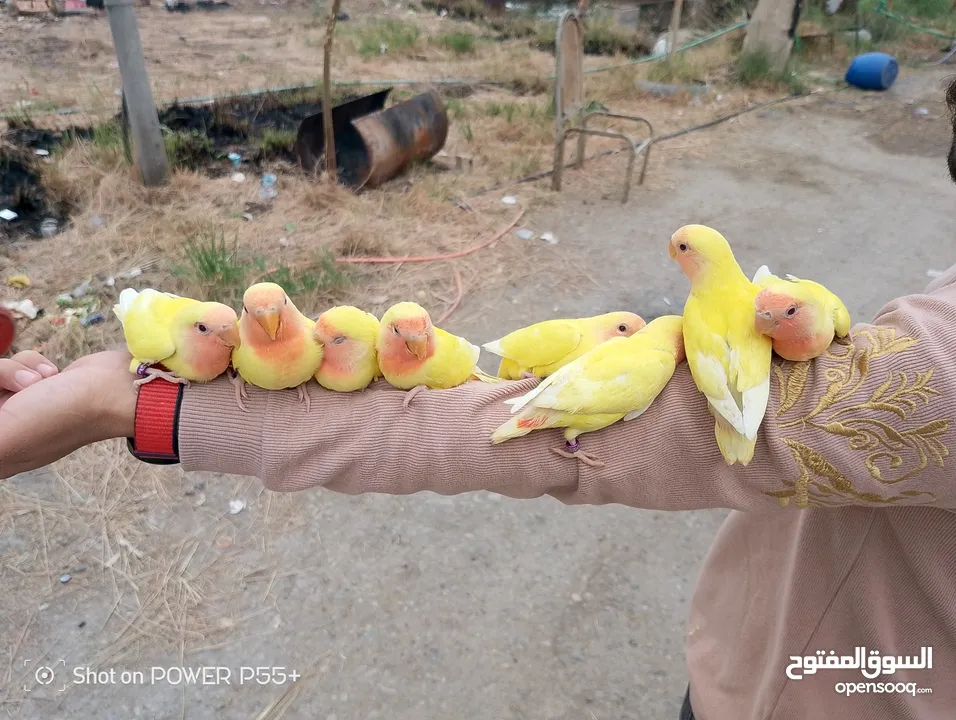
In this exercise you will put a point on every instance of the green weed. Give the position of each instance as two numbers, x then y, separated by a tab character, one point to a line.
274	140
212	267
459	43
390	35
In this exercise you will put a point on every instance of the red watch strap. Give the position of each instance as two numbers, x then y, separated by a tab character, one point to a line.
156	428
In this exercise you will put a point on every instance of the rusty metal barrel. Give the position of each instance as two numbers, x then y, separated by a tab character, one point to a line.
398	136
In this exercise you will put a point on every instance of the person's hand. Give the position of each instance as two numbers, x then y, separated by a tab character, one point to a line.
45	415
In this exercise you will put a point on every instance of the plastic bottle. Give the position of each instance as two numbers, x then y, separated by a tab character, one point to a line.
267	188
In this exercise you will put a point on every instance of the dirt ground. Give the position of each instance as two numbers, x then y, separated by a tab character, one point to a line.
429	607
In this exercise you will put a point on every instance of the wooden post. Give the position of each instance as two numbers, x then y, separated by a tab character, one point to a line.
768	31
327	92
144	122
675	25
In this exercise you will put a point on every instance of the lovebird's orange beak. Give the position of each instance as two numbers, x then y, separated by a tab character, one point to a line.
269	321
417	346
229	335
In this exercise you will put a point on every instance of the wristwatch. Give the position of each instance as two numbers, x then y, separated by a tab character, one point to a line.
156	429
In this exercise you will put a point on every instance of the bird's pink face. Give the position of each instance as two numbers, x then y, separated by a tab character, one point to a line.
339	348
779	316
681	250
412	336
623	325
211	339
265	305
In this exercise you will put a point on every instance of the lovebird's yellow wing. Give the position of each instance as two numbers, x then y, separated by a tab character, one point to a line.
146	317
617	380
453	363
729	359
538	348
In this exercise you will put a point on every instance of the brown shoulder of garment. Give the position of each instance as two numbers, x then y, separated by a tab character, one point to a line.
842	534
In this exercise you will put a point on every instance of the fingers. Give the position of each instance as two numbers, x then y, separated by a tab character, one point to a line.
23	370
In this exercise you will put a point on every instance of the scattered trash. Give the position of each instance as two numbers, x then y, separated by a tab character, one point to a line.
524	234
236	506
283	242
81	289
549	238
934	273
200	500
267	188
96	221
92	320
8	214
64	300
509	200
23	307
48	227
19	281
461	204
8	330
872	71
235	158
41	152
133	272
65	578
248	216
289	227
922	111
238	177
223	542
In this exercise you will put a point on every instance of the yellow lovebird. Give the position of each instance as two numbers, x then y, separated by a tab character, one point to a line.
540	349
277	349
349	359
617	380
728	358
413	354
801	317
193	340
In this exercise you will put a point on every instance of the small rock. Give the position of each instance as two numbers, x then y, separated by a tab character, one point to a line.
236	506
934	273
284	242
65	578
575	598
421	294
248	216
8	215
238	177
524	234
48	227
549	238
819	231
509	200
19	281
43	606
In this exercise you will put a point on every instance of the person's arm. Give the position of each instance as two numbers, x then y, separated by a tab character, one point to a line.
870	423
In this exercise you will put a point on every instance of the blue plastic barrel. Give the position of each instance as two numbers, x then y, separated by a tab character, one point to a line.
872	71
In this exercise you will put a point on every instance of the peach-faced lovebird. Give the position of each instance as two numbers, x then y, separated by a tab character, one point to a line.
277	350
349	360
728	358
540	349
413	354
801	317
193	340
617	380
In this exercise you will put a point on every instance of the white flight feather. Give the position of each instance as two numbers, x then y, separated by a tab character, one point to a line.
725	403
762	272
494	347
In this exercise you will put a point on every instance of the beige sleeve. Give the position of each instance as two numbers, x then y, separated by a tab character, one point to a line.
870	423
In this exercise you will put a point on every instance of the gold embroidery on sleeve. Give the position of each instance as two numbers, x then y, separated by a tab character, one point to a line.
891	453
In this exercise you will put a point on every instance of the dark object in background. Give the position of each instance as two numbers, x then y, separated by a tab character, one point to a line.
8	330
177	6
342	17
373	145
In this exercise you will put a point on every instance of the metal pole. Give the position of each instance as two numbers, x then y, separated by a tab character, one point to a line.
330	167
144	122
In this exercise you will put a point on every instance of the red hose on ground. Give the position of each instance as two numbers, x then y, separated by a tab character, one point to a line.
8	330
